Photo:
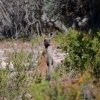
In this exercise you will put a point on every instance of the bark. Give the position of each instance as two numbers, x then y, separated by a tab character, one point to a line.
28	17
5	21
51	23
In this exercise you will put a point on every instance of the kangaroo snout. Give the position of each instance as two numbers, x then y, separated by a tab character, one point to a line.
47	41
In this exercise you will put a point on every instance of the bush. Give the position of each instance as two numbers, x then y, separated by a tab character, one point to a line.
83	51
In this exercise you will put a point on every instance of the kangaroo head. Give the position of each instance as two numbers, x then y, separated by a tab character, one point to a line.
47	40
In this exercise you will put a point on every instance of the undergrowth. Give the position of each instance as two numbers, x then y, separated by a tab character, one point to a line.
82	59
83	51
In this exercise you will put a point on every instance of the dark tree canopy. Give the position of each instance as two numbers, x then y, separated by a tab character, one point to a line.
30	17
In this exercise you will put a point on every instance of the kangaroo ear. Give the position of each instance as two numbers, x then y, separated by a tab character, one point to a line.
51	34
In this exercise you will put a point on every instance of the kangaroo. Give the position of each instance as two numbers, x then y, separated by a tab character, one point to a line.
46	60
49	55
42	68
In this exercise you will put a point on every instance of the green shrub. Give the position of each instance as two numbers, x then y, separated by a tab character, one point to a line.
83	51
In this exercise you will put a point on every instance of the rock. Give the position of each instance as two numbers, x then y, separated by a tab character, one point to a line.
28	96
3	65
87	92
11	66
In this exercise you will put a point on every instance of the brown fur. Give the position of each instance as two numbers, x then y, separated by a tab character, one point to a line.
46	61
43	64
42	67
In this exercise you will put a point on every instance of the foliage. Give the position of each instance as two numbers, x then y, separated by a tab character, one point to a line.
20	18
15	84
83	51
